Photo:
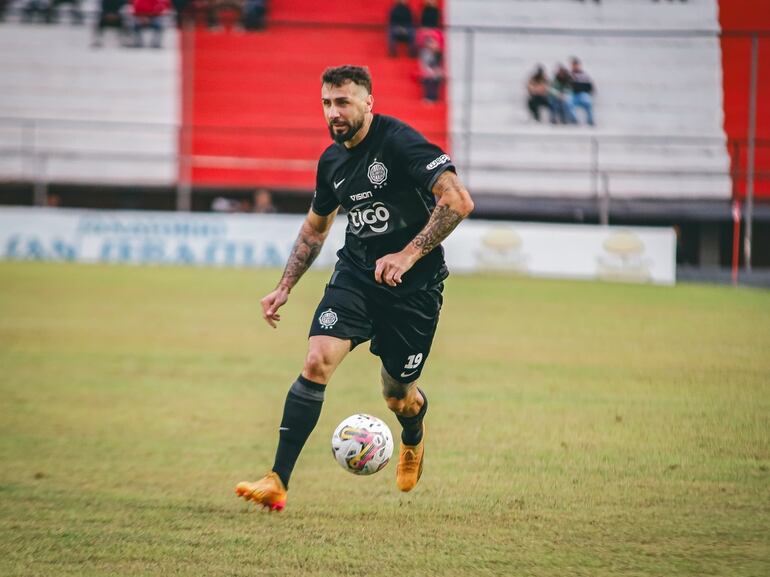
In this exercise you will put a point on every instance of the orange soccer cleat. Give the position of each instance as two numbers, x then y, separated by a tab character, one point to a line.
268	492
409	468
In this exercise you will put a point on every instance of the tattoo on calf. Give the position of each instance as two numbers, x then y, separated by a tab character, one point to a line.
391	388
443	221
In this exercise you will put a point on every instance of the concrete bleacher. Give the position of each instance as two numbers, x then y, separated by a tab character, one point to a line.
270	83
658	106
73	113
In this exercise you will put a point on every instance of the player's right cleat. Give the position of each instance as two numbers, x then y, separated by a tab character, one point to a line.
409	468
268	492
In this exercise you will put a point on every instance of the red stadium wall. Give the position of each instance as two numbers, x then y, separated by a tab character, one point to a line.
741	15
252	100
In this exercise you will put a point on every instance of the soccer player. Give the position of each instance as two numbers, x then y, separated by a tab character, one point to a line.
402	198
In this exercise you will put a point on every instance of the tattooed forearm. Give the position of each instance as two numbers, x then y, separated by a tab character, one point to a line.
303	253
454	205
441	223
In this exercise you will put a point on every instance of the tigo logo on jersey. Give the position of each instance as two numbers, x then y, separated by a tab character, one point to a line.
443	159
376	216
377	173
328	319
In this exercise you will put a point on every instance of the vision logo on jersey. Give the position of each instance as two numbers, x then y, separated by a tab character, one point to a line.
376	216
361	195
377	173
328	319
443	159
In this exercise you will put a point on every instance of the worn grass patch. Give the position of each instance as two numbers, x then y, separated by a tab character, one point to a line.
575	429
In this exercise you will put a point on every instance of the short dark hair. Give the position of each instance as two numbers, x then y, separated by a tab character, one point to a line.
339	75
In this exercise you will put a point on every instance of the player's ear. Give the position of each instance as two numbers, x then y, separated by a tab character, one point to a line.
369	102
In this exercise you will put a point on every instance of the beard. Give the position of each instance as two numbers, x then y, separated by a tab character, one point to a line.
340	137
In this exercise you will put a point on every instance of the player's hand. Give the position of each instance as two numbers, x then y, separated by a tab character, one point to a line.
271	303
391	267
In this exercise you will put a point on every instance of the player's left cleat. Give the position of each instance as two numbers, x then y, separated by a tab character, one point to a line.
268	492
409	468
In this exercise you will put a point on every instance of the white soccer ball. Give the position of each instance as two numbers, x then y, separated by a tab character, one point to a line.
362	444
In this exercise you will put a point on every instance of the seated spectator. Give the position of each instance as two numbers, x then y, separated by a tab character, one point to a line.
76	12
149	14
400	27
254	12
431	69
431	15
582	91
34	10
560	96
48	11
110	16
538	89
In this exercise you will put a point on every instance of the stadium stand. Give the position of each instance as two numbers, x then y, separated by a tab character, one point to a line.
670	108
737	16
255	101
93	116
658	106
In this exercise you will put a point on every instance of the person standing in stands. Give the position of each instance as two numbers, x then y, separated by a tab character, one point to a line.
431	15
431	69
254	12
582	91
400	27
538	89
263	201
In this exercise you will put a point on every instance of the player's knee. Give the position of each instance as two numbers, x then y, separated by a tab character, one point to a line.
318	366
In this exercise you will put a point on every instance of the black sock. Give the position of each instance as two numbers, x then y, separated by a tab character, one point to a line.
300	415
412	426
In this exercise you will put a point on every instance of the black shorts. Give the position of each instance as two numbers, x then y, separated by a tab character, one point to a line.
401	327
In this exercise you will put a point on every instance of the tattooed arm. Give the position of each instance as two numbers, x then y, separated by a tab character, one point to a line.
306	248
454	204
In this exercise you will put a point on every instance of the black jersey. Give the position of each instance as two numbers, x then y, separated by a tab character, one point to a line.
384	183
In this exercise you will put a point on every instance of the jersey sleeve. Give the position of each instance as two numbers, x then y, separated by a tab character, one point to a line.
324	200
424	161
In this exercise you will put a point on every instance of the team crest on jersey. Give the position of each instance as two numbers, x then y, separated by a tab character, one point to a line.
328	319
377	173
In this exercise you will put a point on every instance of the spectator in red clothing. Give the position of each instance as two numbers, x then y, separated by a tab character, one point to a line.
149	14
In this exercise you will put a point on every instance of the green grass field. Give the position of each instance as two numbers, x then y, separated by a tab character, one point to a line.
575	429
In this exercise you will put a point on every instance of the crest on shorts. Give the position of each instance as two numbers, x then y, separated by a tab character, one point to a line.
377	173
328	319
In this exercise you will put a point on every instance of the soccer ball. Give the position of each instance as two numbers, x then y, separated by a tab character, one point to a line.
362	444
